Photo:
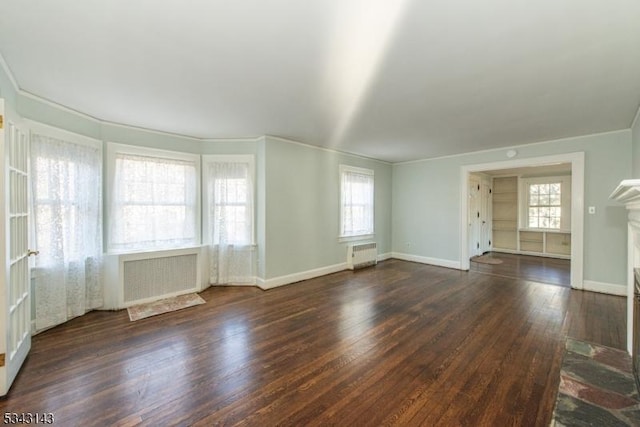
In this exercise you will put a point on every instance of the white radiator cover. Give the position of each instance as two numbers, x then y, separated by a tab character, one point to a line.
362	255
137	278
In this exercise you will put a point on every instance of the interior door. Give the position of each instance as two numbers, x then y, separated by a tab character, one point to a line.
474	216
486	216
15	293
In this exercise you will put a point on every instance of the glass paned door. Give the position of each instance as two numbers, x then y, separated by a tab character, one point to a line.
14	211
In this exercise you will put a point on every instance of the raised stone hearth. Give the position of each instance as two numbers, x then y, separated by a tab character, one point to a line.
597	387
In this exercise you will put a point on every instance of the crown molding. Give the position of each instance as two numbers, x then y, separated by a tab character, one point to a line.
9	73
329	150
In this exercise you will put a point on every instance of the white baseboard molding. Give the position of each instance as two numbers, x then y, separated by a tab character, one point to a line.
243	283
384	257
427	260
297	277
604	288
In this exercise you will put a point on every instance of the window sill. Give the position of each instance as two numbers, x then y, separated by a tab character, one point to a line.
546	230
358	238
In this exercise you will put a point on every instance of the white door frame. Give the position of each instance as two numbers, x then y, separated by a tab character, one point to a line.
577	205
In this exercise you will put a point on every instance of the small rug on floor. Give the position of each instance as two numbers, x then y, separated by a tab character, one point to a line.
141	311
486	259
596	388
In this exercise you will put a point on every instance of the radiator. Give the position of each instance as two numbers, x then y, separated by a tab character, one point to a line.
362	255
150	276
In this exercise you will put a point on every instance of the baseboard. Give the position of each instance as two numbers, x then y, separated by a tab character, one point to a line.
427	260
604	288
297	277
384	257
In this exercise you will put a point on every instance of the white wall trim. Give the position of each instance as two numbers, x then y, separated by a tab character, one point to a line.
9	74
577	205
515	147
330	150
384	257
635	119
63	134
426	260
298	277
605	288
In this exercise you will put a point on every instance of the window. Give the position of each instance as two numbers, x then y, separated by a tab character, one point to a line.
154	202
545	208
547	203
66	198
230	199
356	202
229	218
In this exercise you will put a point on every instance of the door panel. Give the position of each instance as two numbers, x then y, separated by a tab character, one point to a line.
16	292
485	216
474	216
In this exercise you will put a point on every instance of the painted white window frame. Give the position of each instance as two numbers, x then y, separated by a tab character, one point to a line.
355	237
112	150
230	158
565	202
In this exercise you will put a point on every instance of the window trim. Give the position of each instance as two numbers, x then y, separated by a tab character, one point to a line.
355	237
565	202
112	150
229	158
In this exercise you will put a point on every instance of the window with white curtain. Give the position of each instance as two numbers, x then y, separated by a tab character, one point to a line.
230	217
356	202
66	199
154	200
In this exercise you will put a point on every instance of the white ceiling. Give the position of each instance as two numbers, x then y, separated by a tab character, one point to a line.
390	79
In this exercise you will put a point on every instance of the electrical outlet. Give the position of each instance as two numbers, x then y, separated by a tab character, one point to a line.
592	210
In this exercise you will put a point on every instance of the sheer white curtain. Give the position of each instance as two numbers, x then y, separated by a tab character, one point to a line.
357	202
154	203
230	218
66	180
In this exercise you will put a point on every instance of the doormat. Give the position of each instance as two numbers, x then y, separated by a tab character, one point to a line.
596	387
486	259
142	311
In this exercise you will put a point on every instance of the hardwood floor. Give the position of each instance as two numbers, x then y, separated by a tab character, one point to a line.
400	343
540	269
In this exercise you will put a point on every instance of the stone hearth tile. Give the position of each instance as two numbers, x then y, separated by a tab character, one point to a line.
579	347
574	412
589	371
596	396
613	357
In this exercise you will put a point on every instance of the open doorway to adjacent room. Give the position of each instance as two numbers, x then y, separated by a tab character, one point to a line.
519	220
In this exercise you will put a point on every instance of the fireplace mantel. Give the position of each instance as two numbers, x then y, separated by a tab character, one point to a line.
628	193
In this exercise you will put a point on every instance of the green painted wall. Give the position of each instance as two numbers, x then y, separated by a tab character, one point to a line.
635	137
417	204
426	202
7	91
302	210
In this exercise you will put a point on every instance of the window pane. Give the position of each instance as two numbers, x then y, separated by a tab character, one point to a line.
545	205
230	190
357	203
155	203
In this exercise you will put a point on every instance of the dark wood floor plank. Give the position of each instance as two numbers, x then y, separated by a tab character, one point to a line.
397	344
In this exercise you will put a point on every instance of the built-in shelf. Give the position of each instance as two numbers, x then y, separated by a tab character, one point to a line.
505	213
507	237
552	243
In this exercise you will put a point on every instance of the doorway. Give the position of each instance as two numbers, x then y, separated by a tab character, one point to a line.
577	205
